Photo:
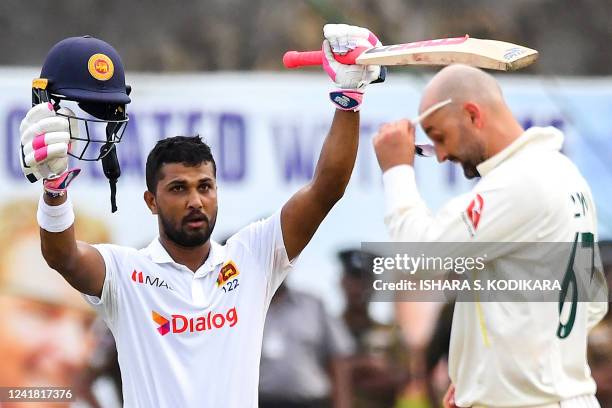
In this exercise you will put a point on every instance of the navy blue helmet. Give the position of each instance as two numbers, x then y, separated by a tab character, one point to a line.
85	69
88	71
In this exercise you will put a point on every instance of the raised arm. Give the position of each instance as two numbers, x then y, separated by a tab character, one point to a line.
304	212
78	262
44	145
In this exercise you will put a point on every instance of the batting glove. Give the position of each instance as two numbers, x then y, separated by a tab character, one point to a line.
45	143
350	79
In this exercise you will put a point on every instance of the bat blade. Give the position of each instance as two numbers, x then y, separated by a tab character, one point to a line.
489	54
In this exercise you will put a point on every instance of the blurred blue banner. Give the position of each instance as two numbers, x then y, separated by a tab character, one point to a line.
266	130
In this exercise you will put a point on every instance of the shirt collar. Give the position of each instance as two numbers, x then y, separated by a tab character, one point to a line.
158	254
548	138
216	257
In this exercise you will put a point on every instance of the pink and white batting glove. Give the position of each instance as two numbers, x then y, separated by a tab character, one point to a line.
45	143
350	79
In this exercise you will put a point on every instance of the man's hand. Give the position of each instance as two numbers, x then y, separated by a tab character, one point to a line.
350	79
45	143
449	398
394	144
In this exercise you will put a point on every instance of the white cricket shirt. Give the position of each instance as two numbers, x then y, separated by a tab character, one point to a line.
507	354
189	339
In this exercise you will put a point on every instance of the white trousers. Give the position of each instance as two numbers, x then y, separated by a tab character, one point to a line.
583	401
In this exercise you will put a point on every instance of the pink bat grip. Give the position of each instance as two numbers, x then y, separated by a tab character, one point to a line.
296	59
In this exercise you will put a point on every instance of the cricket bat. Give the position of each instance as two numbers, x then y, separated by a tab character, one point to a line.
489	54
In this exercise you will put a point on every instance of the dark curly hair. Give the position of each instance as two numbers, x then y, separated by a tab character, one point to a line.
188	150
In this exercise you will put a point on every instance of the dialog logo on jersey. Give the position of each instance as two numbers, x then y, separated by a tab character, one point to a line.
164	324
179	323
139	277
228	272
472	214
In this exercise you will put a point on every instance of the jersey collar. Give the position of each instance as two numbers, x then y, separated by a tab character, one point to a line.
548	137
158	254
215	258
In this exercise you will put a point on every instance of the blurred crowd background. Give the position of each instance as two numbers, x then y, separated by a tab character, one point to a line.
252	35
317	352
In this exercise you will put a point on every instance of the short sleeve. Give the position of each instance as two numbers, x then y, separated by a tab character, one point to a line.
264	240
106	305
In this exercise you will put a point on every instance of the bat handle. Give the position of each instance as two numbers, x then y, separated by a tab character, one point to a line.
297	59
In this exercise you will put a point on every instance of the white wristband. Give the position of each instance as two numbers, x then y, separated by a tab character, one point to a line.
55	218
400	188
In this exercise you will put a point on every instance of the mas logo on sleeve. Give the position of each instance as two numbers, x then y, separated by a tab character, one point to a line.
471	216
139	277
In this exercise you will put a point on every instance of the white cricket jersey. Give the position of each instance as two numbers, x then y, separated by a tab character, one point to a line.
507	354
189	339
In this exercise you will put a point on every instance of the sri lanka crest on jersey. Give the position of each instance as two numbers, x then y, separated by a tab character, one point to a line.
228	272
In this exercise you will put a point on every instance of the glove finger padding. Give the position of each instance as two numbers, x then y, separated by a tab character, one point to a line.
73	128
46	141
51	168
343	38
47	153
354	77
350	79
35	114
43	126
58	166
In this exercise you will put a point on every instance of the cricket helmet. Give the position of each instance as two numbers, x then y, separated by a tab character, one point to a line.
88	71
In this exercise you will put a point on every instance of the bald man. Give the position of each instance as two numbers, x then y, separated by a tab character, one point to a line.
511	354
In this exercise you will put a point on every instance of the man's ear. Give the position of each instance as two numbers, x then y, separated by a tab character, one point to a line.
149	199
475	114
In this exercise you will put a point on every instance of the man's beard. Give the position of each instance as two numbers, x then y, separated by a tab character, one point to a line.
188	239
475	154
470	171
